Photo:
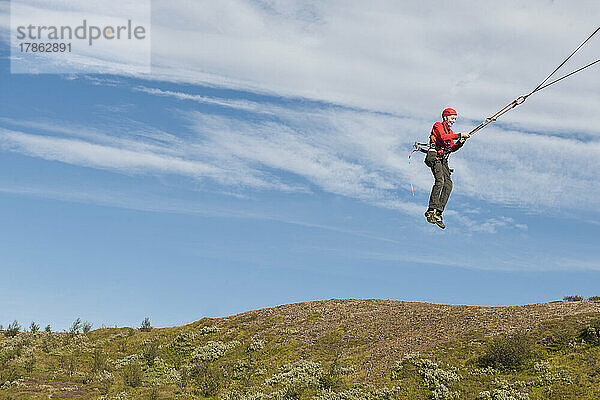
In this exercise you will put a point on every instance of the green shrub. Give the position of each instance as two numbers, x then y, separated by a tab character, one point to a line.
47	343
75	327
502	394
207	378
13	329
87	326
591	333
9	374
122	346
573	298
69	362
359	394
29	363
48	329
256	345
154	394
594	298
99	360
207	330
150	352
558	334
105	380
184	377
9	353
213	350
332	378
34	328
507	352
242	370
294	379
132	374
146	326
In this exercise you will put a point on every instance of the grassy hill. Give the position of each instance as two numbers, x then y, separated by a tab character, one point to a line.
326	350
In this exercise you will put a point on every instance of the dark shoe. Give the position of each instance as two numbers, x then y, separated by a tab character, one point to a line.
430	215
439	221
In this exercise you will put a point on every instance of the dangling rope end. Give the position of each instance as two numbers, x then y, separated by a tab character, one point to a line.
416	148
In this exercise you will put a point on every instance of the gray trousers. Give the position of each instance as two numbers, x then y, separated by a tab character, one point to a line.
443	184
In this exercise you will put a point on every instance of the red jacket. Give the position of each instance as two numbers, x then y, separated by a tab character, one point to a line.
442	136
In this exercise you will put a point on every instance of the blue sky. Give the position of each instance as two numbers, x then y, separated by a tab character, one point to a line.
264	161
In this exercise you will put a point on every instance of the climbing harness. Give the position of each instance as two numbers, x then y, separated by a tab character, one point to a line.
424	147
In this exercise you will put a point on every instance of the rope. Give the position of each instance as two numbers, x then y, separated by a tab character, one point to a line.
566	76
521	99
417	147
563	63
412	190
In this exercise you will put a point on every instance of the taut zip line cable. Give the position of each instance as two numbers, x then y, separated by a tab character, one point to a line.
518	101
521	99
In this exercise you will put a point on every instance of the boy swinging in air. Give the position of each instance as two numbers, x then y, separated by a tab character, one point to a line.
441	144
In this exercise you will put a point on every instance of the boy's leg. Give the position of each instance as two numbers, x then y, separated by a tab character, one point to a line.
447	187
438	186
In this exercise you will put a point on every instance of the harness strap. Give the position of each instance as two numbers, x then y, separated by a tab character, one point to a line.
423	148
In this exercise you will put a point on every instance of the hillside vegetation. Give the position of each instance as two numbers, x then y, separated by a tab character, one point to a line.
323	350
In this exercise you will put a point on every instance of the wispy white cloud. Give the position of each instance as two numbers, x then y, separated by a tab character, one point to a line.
414	58
97	156
487	225
244	105
533	171
130	161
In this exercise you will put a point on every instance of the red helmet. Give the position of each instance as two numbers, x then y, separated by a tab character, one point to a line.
448	111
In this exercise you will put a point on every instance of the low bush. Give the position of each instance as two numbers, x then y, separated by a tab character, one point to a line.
508	352
213	350
150	352
332	378
9	374
132	374
294	379
68	362
573	298
122	346
29	362
594	298
99	360
557	334
146	326
87	326
591	333
34	328
13	329
154	393
502	394
75	327
105	380
207	378
207	330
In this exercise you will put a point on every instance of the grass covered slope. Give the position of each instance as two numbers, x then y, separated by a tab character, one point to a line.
333	349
